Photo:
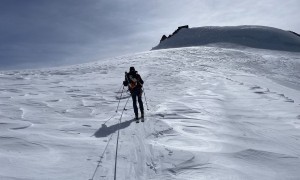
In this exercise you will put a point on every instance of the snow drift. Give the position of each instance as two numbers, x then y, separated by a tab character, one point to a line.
251	36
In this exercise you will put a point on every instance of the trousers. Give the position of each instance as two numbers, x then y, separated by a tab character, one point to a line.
137	94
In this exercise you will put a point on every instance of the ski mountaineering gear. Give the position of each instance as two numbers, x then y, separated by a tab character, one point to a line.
135	83
133	80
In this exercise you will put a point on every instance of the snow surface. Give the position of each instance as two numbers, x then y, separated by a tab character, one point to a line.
215	113
250	36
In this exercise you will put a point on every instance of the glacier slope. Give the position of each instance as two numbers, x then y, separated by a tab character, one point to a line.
215	113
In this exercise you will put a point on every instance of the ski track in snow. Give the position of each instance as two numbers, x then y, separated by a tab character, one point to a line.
215	113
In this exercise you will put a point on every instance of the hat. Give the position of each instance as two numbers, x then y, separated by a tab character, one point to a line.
131	69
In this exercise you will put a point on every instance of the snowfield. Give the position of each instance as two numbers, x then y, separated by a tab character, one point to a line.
214	113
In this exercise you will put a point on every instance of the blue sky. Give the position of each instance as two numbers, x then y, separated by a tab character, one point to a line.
44	33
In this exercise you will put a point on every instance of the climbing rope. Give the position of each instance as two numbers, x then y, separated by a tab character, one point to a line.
116	109
101	157
116	156
110	138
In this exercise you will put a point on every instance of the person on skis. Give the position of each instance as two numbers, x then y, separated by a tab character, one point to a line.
135	83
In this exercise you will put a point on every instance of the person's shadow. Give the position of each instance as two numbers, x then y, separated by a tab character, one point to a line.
105	131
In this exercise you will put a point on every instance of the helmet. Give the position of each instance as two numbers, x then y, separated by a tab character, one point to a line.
131	69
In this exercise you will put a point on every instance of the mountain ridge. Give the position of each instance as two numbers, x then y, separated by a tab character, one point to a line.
261	37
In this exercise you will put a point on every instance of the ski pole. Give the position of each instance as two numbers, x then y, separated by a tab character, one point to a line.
145	99
120	87
120	99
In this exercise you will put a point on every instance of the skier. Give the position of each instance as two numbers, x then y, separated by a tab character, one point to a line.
135	83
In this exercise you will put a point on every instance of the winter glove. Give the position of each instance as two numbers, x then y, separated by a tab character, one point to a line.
125	83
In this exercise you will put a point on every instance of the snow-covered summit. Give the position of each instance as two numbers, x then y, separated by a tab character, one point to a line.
252	36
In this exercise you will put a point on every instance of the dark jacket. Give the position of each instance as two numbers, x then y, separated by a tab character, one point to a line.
133	80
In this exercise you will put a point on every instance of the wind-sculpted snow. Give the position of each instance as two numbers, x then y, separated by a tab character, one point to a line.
250	36
215	113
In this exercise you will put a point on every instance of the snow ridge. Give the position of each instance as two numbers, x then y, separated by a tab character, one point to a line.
251	36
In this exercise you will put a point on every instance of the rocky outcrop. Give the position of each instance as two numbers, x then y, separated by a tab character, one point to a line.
164	37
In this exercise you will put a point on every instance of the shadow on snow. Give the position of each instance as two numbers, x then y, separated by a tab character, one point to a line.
105	131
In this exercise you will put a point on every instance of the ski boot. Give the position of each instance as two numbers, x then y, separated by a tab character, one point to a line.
142	117
136	118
